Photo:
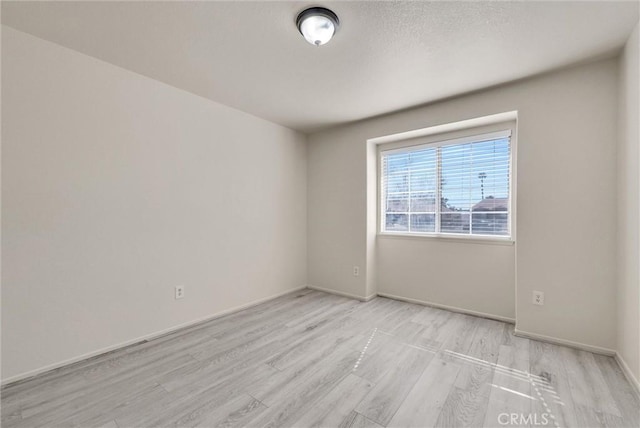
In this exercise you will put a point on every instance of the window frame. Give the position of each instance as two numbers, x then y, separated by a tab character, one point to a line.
459	136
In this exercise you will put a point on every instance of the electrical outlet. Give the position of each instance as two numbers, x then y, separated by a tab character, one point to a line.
538	298
179	291
356	271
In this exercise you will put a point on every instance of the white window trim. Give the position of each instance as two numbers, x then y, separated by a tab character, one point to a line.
457	136
475	138
450	237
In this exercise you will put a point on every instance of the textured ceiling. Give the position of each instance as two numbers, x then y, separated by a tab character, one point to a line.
386	56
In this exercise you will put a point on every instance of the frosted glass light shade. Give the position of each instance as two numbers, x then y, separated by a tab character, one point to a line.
317	25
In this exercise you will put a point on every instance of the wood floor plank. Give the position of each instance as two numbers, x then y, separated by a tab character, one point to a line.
408	331
455	337
289	305
145	355
120	387
334	407
402	313
424	402
334	305
115	407
511	386
198	395
611	421
41	391
587	417
227	360
625	397
356	420
377	340
374	367
314	346
318	372
11	416
292	402
110	424
550	385
208	374
588	387
237	413
335	332
386	397
466	405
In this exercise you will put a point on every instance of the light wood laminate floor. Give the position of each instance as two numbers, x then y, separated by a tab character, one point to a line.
315	359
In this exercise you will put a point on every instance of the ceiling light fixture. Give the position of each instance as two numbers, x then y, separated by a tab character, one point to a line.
317	25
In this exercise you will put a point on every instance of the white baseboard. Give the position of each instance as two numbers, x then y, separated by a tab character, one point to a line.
50	367
628	373
341	293
449	308
556	341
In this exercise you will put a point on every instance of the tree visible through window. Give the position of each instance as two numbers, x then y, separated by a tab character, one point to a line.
448	188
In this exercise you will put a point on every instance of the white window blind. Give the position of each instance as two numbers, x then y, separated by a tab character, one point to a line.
457	187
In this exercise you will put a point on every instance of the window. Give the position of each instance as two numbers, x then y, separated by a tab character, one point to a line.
455	187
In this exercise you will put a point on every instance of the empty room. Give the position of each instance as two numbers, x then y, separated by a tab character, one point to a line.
320	214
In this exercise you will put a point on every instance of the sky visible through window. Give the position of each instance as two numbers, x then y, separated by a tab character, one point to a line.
474	188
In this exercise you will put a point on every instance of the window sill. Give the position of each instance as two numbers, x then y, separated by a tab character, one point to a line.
449	238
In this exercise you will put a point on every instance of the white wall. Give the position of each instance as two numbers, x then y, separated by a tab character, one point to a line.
116	188
457	274
336	211
566	228
629	209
